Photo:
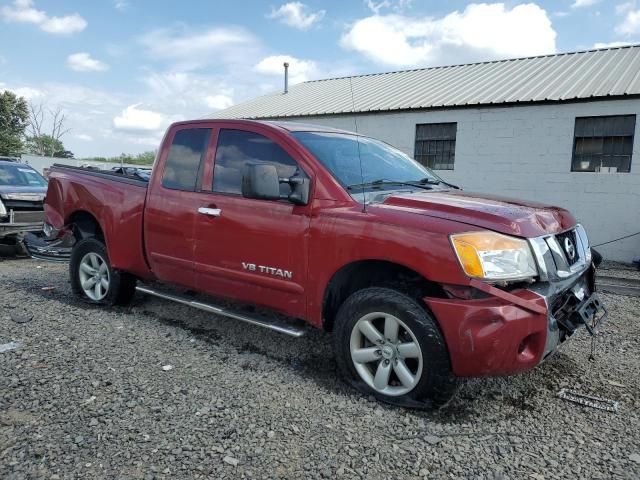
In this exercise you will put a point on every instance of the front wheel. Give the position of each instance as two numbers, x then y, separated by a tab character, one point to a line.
92	277
389	346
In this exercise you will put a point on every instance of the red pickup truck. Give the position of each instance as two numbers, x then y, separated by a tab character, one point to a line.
419	282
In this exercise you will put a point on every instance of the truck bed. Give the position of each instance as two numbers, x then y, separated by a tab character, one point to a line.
114	200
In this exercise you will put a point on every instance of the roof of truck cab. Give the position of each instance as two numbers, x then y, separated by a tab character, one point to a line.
279	124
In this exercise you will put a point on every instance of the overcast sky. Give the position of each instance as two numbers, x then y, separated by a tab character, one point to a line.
124	69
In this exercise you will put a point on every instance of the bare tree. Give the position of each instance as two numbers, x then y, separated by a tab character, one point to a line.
46	143
57	120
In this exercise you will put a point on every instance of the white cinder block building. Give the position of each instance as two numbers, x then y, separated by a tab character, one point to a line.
558	129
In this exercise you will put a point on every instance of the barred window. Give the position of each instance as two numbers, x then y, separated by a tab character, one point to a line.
605	141
436	145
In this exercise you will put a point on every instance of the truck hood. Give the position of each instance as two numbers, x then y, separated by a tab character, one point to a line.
501	214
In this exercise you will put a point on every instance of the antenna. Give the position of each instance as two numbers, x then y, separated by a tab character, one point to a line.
355	123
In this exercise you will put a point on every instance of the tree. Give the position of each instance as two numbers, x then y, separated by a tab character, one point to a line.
39	142
64	154
144	158
44	145
14	117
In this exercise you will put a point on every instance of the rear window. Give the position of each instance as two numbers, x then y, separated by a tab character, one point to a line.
20	176
187	151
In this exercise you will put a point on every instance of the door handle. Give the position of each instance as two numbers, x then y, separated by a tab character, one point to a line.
212	212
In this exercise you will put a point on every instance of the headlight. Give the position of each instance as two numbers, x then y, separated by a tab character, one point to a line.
492	256
3	210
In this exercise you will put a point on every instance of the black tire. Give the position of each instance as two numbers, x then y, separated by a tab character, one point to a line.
436	385
8	250
122	285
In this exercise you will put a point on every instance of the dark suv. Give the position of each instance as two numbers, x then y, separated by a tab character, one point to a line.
22	192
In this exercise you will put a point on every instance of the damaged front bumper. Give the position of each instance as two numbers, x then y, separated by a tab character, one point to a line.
16	223
571	307
58	249
510	331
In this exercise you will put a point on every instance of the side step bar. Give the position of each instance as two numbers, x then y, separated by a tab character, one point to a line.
280	327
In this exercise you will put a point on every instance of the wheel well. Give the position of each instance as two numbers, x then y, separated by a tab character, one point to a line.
85	225
369	273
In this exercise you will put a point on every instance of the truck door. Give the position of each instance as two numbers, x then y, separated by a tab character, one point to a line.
246	249
172	205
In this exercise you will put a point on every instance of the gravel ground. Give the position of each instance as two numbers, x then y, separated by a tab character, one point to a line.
86	396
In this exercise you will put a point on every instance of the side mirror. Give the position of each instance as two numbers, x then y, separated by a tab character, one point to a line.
261	181
299	190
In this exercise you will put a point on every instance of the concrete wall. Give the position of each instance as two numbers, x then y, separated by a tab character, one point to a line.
525	152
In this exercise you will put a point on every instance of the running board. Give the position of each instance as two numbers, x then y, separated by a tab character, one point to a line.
277	326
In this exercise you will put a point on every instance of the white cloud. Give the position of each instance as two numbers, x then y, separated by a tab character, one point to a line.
88	111
218	102
23	11
611	44
190	94
82	62
133	118
84	137
480	32
630	25
297	15
299	70
64	25
397	5
28	92
583	3
625	7
191	50
121	5
375	7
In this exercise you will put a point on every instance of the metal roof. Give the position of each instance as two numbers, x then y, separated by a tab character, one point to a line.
610	72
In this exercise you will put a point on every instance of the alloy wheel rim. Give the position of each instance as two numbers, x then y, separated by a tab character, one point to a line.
386	354
94	276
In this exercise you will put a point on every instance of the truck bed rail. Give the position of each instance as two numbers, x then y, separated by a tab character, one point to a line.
118	177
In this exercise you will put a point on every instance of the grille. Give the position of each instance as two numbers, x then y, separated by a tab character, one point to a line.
25	217
569	244
23	205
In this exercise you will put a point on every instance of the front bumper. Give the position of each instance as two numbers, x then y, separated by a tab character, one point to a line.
510	332
55	250
507	332
20	222
489	336
10	229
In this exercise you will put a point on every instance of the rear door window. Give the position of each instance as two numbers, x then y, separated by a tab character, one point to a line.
236	148
187	151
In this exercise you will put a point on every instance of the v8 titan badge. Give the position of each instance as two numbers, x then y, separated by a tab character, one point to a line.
277	272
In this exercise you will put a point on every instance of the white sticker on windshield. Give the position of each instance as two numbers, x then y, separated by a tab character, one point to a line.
26	170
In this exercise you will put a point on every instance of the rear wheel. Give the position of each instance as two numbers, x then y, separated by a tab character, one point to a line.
92	277
390	346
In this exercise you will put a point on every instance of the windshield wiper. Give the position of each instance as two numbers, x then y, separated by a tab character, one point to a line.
433	181
381	182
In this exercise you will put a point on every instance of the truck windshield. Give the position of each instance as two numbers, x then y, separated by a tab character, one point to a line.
366	163
20	176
